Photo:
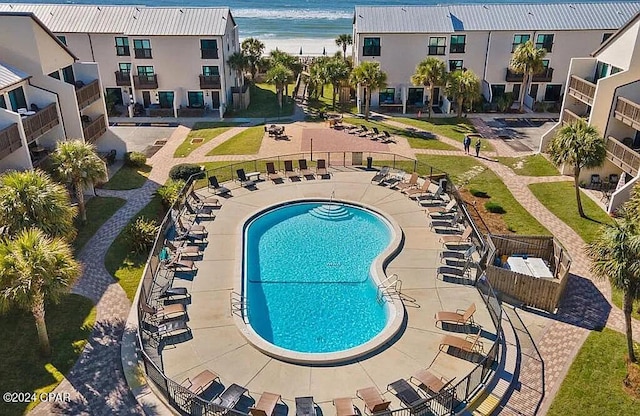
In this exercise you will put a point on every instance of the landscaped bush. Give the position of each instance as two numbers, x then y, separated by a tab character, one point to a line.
141	234
494	207
183	171
478	193
135	159
169	192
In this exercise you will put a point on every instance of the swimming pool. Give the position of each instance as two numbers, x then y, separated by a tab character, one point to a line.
311	271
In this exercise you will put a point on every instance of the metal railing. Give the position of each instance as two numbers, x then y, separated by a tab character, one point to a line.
582	89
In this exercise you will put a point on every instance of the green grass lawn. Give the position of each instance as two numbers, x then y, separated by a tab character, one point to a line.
203	130
125	265
22	369
533	165
451	127
593	385
128	178
247	142
324	103
99	210
264	103
415	141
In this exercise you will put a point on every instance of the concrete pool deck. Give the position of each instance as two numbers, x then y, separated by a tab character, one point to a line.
218	345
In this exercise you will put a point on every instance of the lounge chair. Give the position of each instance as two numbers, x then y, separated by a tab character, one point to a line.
175	311
304	169
373	401
272	174
381	175
201	382
470	344
217	188
416	191
344	407
459	317
168	328
179	264
364	131
457	239
388	138
207	202
355	130
431	197
305	406
244	181
376	134
428	382
407	394
191	228
202	213
458	255
321	168
183	250
230	397
168	292
289	172
411	183
446	222
445	210
266	405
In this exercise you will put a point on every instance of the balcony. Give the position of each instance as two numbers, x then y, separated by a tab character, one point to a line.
544	76
123	79
628	112
569	117
582	89
624	157
9	140
145	82
41	122
87	94
210	82
94	129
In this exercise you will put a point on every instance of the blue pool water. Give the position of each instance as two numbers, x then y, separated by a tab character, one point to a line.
308	283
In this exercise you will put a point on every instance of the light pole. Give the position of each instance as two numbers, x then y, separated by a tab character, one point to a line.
311	149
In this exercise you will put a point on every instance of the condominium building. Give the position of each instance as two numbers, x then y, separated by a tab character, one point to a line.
170	60
481	38
46	94
604	90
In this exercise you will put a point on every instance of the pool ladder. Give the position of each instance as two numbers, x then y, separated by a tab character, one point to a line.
238	305
389	287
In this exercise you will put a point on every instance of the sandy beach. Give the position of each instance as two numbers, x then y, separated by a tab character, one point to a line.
310	46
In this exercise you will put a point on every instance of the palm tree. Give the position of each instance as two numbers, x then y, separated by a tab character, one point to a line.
253	50
32	199
35	268
615	255
369	76
463	86
527	60
76	162
343	41
239	62
337	72
580	145
430	73
289	61
279	75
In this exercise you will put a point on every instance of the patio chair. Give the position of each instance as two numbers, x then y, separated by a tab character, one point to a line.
272	174
411	183
388	138
230	397
596	182
457	239
178	264
202	213
450	208
183	250
465	255
407	394
381	175
613	179
446	222
244	181
168	292
415	191
373	401
175	311
364	131
289	172
217	188
430	197
266	405
430	383
344	407
200	382
459	317
354	130
305	406
168	328
304	169
206	202
470	344
321	168
191	228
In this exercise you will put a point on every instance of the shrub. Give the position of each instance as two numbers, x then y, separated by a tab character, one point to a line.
494	207
169	192
183	171
478	193
141	234
135	159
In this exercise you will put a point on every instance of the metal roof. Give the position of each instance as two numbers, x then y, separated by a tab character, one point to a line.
129	20
10	75
494	17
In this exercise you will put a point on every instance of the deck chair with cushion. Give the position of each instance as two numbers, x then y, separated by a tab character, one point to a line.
430	383
373	401
266	405
381	175
230	397
407	394
470	344
175	311
344	407
459	317
216	187
289	172
272	174
244	181
305	406
168	292
364	131
321	168
204	202
442	210
417	191
200	382
376	134
463	238
304	169
411	183
388	138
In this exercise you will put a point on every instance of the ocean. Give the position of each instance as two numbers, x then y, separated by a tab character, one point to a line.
310	26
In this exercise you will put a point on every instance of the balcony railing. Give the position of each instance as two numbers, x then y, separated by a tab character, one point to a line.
93	130
40	123
544	76
628	112
9	140
569	117
145	82
123	78
88	94
211	82
582	89
624	157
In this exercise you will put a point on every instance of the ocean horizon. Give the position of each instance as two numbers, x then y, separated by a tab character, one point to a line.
307	26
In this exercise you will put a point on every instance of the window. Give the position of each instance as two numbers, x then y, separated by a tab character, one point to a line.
210	70
533	91
196	99
62	39
55	74
606	36
67	75
519	40
545	64
458	42
3	103
602	70
552	92
437	46
497	91
145	71
371	47
544	42
415	96
387	96
125	68
122	47
209	48
455	65
165	99
142	48
17	99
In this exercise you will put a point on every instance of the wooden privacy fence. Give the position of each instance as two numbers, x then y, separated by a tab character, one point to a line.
537	292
